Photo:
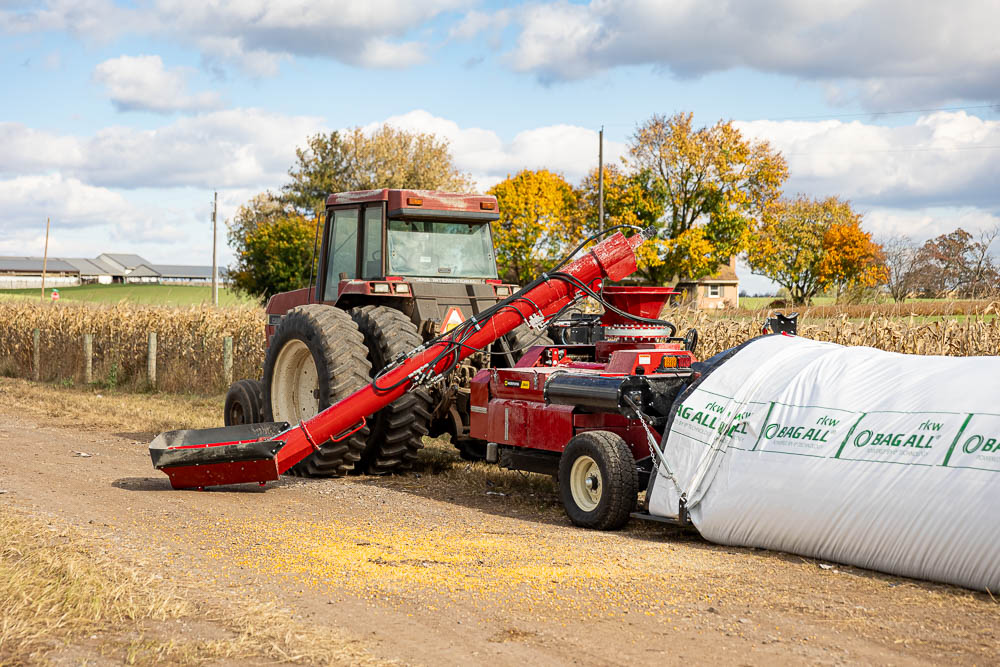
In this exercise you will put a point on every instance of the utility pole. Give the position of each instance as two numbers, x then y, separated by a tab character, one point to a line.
45	257
600	179
215	240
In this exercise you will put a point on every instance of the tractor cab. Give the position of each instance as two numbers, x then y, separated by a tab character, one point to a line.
414	233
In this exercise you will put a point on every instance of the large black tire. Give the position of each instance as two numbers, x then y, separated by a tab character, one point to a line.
295	390
598	480
518	341
243	403
397	430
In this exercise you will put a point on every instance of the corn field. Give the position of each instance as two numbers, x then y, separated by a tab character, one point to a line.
975	335
189	340
189	343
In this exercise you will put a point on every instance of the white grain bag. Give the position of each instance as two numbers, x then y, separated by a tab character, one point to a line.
876	459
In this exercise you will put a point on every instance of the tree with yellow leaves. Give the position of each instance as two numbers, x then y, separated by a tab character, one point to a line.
539	219
808	245
714	187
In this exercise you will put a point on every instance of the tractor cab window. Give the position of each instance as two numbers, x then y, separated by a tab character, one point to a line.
343	250
436	249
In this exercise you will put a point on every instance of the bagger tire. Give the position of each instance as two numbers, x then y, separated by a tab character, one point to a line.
397	430
518	341
598	480
316	357
243	403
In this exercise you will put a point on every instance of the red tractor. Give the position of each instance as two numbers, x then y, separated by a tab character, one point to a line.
396	268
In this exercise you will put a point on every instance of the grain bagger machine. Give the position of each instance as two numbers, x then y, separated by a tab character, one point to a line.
587	411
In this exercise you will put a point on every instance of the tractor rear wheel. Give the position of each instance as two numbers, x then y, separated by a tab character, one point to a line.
598	480
243	403
510	348
397	430
316	357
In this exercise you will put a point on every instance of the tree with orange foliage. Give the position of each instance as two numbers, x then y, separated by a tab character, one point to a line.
808	245
851	258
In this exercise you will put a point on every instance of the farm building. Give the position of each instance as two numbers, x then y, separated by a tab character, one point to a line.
173	273
26	272
719	290
95	271
123	263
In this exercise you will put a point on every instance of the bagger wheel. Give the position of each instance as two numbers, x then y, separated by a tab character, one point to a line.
397	430
316	358
517	342
243	403
598	480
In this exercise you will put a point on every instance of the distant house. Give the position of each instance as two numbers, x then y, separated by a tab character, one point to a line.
719	290
26	272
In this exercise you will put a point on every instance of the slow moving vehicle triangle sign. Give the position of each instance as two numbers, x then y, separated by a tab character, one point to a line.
452	319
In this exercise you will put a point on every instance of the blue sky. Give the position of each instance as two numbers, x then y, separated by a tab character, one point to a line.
119	120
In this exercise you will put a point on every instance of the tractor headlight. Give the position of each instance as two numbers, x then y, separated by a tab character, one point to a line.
402	288
503	291
380	288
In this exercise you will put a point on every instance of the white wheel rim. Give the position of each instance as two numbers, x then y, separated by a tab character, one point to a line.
294	383
585	483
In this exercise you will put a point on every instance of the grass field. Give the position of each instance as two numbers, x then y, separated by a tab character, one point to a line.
155	295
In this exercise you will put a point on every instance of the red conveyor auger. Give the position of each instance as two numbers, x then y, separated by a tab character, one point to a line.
261	452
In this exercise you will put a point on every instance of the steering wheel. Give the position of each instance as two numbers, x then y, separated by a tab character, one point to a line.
691	340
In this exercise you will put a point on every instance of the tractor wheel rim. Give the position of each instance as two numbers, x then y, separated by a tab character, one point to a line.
294	383
585	483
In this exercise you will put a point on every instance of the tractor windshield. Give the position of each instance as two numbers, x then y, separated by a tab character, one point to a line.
440	249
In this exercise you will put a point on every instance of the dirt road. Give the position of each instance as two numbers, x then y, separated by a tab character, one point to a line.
427	570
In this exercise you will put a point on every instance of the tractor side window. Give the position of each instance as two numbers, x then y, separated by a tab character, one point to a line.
343	250
372	257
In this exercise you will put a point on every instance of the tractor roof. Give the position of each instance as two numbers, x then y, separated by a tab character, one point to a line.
415	200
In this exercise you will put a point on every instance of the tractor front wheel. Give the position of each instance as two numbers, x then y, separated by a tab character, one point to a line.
243	403
598	480
316	357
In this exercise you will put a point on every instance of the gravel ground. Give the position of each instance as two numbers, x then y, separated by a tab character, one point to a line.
443	569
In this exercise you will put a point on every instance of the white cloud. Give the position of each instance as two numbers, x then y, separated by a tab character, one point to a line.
26	150
888	52
27	200
476	22
141	83
246	148
93	19
566	149
925	223
253	34
943	159
383	53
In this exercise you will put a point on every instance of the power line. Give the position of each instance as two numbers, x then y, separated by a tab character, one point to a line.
887	113
867	114
900	150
